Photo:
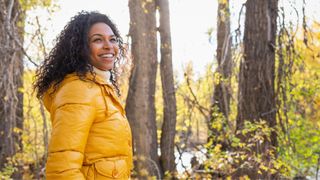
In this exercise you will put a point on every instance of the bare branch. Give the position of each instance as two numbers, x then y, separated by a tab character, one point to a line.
9	13
238	31
204	111
41	37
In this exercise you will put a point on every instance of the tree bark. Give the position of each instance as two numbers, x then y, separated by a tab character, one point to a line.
256	98
222	92
168	130
222	88
11	97
140	103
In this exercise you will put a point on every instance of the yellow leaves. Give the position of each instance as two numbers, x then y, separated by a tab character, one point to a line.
167	175
21	90
217	124
217	148
263	167
17	130
306	92
241	145
144	5
244	178
223	1
243	156
217	78
143	172
33	133
316	114
272	171
30	4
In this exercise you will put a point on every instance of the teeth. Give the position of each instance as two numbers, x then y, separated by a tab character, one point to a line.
107	55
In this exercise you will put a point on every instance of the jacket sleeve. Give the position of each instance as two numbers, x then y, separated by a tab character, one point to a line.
72	115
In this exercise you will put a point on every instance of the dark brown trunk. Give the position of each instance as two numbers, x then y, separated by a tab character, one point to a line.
140	106
11	97
256	81
168	131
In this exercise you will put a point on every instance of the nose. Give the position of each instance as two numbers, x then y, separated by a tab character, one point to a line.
107	44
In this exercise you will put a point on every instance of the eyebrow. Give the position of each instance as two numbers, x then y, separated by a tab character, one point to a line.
101	35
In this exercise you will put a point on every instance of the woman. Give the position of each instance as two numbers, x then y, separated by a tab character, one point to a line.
91	137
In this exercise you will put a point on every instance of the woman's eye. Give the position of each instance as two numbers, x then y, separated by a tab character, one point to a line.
97	40
113	40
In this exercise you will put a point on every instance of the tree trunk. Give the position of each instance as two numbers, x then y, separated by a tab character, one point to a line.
256	99
11	98
222	94
222	88
140	105
168	131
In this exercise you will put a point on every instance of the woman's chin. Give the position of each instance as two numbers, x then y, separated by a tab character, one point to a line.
104	68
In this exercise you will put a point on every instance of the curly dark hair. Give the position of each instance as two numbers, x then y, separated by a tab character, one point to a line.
71	53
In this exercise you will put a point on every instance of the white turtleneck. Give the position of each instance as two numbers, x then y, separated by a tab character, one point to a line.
105	75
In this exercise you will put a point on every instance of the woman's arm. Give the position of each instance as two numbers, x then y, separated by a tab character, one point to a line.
73	113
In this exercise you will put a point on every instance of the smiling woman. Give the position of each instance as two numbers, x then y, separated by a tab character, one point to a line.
103	46
91	137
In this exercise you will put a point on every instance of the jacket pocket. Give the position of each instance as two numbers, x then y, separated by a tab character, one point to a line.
114	169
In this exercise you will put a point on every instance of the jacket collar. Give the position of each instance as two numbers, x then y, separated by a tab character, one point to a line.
89	76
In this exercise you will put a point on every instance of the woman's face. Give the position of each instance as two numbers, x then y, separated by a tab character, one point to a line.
103	46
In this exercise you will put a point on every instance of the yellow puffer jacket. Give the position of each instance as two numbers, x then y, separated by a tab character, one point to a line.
91	137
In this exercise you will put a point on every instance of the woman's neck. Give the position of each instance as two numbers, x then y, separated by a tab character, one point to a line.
105	75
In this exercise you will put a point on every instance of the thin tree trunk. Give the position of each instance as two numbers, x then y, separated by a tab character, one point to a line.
222	88
11	72
222	94
140	105
257	72
168	131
